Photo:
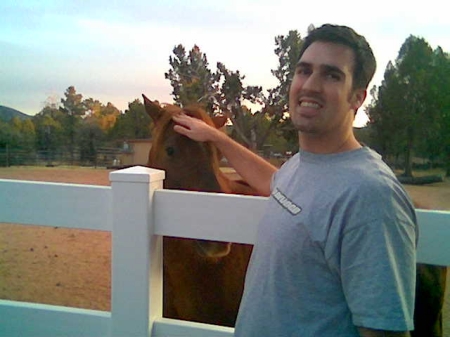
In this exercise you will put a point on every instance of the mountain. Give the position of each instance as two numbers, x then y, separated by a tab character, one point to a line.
6	114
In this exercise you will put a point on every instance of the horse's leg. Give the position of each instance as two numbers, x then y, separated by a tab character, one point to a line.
430	292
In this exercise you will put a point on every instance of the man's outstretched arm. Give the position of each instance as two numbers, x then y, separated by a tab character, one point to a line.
256	171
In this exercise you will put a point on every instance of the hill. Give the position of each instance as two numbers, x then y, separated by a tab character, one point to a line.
6	114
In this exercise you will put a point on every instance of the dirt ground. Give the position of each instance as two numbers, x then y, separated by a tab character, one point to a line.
60	266
72	267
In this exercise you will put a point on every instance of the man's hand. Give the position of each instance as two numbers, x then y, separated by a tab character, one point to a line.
195	128
256	171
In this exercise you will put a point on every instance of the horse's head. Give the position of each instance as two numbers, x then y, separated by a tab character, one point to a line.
189	165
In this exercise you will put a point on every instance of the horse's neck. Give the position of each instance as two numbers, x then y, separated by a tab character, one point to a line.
234	186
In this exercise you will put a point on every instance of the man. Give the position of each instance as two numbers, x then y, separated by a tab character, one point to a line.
335	250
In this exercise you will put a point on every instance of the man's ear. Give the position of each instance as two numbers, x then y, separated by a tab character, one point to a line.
359	97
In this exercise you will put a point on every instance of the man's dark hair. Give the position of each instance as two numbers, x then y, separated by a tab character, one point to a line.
365	63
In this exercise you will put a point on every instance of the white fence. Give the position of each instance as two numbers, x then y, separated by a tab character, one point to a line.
139	212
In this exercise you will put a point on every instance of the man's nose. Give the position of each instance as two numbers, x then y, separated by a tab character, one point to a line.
313	83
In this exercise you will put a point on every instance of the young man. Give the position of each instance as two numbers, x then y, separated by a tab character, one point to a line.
335	251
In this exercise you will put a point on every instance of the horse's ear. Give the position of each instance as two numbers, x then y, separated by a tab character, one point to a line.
153	109
219	121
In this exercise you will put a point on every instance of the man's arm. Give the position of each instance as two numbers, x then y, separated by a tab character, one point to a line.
256	171
365	332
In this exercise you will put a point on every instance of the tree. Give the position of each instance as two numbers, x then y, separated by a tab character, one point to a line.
194	83
191	79
6	141
288	50
133	124
25	133
90	137
405	111
93	107
16	141
222	91
272	120
73	103
438	145
276	103
105	115
229	99
108	116
73	109
415	64
385	120
48	124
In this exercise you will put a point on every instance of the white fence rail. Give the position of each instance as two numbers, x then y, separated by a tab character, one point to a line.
138	212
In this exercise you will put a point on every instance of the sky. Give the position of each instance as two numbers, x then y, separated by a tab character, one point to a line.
114	51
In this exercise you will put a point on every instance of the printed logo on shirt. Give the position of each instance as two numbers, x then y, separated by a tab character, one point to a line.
286	202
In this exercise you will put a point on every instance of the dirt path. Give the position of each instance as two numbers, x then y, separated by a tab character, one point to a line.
72	267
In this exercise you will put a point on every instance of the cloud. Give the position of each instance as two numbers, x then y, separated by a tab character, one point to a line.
115	50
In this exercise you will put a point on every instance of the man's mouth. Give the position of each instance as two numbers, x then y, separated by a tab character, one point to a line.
307	104
310	102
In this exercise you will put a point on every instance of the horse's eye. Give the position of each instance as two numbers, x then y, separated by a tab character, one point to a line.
170	151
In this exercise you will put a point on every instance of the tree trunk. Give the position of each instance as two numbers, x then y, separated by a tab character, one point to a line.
447	165
262	138
238	127
409	154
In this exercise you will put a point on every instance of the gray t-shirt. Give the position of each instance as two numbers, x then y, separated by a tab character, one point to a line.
335	250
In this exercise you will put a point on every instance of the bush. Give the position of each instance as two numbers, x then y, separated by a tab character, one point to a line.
430	179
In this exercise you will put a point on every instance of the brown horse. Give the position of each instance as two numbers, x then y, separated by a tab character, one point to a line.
214	297
430	294
203	280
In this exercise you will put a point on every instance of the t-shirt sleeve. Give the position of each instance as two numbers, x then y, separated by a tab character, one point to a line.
377	268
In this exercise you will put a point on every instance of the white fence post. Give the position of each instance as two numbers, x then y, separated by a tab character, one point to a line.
136	253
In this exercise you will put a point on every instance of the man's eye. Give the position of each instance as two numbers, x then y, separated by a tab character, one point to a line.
302	71
334	77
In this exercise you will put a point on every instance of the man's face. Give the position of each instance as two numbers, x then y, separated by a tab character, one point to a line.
321	98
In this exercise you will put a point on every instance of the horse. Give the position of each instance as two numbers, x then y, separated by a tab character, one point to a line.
430	294
203	280
194	166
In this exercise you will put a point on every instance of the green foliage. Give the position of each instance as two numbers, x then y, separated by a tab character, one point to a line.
25	131
17	134
6	134
59	129
133	124
90	137
439	144
191	79
384	119
73	109
104	115
288	50
276	103
49	130
229	99
193	82
408	113
73	104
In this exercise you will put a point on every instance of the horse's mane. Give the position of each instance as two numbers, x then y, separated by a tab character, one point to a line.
165	121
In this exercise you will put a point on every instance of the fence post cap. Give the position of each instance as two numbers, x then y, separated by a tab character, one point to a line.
137	174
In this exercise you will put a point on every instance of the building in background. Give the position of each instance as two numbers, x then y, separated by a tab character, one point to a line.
134	152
